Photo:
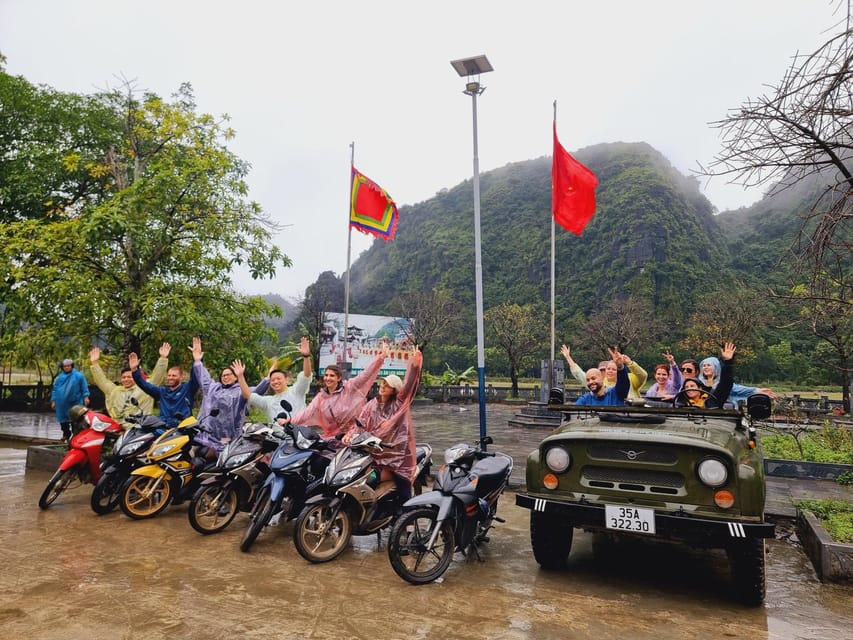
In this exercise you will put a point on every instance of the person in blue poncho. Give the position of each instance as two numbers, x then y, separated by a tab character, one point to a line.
69	388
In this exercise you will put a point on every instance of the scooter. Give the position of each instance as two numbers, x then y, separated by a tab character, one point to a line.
353	500
169	475
82	462
128	454
296	473
456	516
232	483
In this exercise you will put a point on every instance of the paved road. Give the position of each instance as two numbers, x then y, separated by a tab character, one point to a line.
68	573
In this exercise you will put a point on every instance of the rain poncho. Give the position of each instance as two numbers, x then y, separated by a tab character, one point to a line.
228	399
670	387
68	389
392	423
336	412
175	404
118	398
295	395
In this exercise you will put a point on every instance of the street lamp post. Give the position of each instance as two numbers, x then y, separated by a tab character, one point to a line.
472	68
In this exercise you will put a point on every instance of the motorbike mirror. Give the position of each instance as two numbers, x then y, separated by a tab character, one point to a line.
487	440
214	413
286	405
134	401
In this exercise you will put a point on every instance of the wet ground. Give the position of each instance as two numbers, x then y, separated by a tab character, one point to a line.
68	573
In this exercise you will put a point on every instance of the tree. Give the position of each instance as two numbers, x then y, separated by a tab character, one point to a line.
432	313
802	129
149	257
519	331
624	323
324	296
729	314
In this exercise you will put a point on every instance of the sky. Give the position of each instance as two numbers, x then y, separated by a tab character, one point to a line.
301	81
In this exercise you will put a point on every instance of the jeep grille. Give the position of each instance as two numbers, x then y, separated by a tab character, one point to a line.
641	480
632	451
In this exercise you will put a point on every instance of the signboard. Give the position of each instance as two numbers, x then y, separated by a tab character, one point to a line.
362	341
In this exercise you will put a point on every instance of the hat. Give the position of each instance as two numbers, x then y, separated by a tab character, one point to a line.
68	361
393	381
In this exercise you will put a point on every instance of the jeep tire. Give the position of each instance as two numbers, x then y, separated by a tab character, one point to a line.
748	572
551	539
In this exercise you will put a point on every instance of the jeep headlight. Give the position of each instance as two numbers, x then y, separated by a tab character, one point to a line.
713	472
558	459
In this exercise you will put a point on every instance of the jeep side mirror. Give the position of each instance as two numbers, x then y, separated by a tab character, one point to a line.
759	406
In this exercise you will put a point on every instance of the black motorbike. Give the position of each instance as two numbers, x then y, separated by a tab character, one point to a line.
128	453
456	516
231	484
296	473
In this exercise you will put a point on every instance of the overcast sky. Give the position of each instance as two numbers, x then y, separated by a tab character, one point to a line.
301	80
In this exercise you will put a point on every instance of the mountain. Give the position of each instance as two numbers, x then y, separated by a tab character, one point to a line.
654	234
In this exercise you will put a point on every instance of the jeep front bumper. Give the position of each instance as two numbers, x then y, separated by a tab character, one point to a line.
677	525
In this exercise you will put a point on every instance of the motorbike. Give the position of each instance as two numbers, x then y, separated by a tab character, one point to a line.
169	474
456	516
127	454
231	484
352	500
82	462
296	473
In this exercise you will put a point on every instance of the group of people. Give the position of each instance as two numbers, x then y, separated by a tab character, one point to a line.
707	384
340	408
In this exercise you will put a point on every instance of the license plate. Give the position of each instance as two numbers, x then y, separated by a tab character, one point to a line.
633	519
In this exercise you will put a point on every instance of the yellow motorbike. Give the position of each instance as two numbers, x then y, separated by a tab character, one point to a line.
169	473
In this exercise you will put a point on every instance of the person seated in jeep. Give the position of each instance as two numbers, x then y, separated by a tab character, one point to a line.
696	394
601	395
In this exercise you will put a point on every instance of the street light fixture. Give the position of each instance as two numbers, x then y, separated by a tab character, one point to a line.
470	67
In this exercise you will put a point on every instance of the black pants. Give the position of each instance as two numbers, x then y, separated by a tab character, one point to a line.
66	430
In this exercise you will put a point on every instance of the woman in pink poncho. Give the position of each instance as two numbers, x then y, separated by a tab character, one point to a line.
338	403
387	416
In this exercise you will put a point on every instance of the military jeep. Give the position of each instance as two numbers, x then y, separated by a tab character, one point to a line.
685	475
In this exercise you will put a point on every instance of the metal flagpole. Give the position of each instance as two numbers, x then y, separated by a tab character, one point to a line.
349	253
553	278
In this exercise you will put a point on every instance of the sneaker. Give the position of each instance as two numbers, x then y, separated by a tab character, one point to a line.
275	519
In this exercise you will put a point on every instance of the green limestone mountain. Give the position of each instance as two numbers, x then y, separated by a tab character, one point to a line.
653	235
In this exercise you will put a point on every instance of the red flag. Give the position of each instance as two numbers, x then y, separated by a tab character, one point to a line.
572	190
372	210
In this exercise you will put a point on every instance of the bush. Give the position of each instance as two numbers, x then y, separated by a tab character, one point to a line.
830	443
835	516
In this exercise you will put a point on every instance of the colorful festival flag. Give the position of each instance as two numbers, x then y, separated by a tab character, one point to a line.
372	210
572	190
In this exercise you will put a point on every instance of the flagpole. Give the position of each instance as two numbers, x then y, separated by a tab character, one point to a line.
551	363
349	253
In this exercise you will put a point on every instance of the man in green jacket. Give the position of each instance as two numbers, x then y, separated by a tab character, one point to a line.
118	397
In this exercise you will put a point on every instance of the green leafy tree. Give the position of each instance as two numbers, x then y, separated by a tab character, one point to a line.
519	331
149	258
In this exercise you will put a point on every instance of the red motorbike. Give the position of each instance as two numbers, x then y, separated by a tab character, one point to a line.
82	462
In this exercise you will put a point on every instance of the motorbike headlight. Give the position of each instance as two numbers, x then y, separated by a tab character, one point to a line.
558	459
236	461
345	476
162	450
454	453
712	472
131	448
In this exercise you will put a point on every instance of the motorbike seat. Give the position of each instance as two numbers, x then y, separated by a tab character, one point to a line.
491	472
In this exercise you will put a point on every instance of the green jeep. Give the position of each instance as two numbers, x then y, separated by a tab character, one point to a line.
681	474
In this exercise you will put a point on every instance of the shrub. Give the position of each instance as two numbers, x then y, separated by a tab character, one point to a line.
835	516
830	443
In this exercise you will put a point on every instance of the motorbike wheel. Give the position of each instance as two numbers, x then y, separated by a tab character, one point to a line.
107	493
212	508
261	514
56	485
140	499
407	546
320	537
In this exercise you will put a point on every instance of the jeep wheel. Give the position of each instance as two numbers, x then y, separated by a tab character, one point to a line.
748	574
551	539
